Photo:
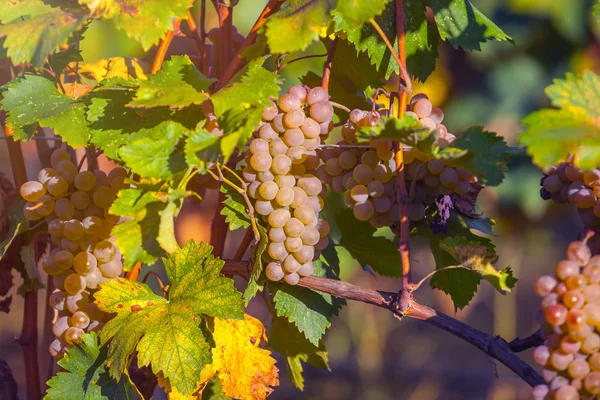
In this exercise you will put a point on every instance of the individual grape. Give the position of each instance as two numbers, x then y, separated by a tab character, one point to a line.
45	174
267	132
310	184
74	283
30	213
249	174
306	269
56	348
305	254
363	211
317	94
362	174
313	160
111	269
462	187
69	245
293	137
584	198
277	235
382	204
60	326
300	198
57	156
80	320
315	202
305	214
92	225
117	172
274	271
259	146
268	190
560	361
323	227
566	392
285	196
579	251
80	200
288	102
104	251
265	176
263	207
321	111
294	118
573	299
292	279
322	244
310	236
73	229
544	285
299	92
94	278
591	178
294	228
578	369
591	344
290	265
277	146
567	268
84	262
277	250
541	355
93	211
311	145
449	177
310	128
591	383
556	314
337	184
32	191
298	155
74	335
261	161
293	244
277	123
103	196
63	259
57	186
67	170
282	164
278	218
57	300
63	208
359	193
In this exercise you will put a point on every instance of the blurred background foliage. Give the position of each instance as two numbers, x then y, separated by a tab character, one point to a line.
372	355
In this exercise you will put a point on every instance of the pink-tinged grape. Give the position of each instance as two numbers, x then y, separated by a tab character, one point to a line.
578	369
363	210
422	108
265	176
437	115
306	269
540	392
591	178
268	190
311	145
45	174
556	314
74	335
569	345
63	259
429	124
84	262
31	214
310	236
261	161
103	196
285	196
259	146
573	299
591	272
292	279
333	167
347	160
592	295
576	320
362	174
293	137
370	158
322	244
321	111
315	202
567	268
282	164
94	278
249	174
591	344
579	251
32	191
104	251
64	209
375	189
323	227
300	197
269	112
560	361
317	94
289	102
322	175
59	155
267	132
310	128
67	170
277	235
263	207
57	185
305	254
299	92
111	269
277	146
449	177
277	250
591	383
293	244
310	184
277	123
80	320
73	229
278	218
541	355
294	228
313	160
69	245
337	184
566	392
553	183
594	361
80	200
573	173
74	283
290	265
294	118
544	285
274	271
60	326
297	155
573	189
305	214
585	199
56	349
57	300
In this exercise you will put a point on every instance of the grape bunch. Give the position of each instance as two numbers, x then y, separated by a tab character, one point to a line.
75	206
570	319
280	174
567	183
366	174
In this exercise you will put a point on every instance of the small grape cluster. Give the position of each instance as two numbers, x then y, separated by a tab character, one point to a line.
567	183
75	206
366	174
280	174
570	319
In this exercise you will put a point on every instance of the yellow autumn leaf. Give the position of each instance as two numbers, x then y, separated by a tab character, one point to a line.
246	371
121	67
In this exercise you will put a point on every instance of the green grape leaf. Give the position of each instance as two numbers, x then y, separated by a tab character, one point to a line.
85	375
237	124
178	84
170	334
596	10
148	227
59	61
297	26
147	21
34	99
33	29
463	25
355	13
577	92
234	208
151	155
213	390
257	278
406	130
202	149
285	339
17	224
310	311
421	40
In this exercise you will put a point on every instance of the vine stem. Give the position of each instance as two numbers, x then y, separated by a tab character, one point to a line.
285	64
134	273
161	52
328	64
238	62
244	244
29	333
494	346
225	13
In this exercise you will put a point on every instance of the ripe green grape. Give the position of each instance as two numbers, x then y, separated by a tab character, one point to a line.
288	102
293	228
263	207
297	154
579	251
293	244
80	200
317	94
57	185
290	265
56	348
59	155
305	214
111	269
259	146
104	251
359	193
85	181
84	262
305	254
277	235
94	278
310	236
294	118
46	205
274	271
103	196
321	111
268	190
300	198
76	302
278	218
285	196
74	335
80	320
32	191
60	326
261	161
282	164
63	259
306	269
293	137
310	128
277	250
118	172
64	209
67	170
267	132
73	229
311	185
92	225
31	214
362	174
74	283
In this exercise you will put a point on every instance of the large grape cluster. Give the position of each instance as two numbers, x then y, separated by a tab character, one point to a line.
366	174
75	206
280	174
570	319
567	183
